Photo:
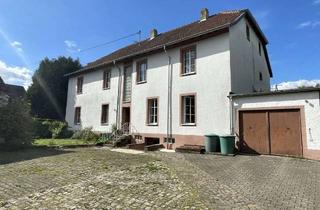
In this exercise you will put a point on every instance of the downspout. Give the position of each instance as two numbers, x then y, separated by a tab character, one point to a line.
119	95
169	103
231	114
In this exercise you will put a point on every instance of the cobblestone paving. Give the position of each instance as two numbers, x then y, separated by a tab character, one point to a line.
250	182
93	178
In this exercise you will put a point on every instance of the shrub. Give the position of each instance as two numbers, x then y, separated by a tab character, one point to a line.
39	129
45	128
16	123
86	134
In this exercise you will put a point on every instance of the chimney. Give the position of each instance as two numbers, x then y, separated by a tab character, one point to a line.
153	33
204	14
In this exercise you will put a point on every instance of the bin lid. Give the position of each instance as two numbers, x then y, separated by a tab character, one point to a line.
211	135
226	136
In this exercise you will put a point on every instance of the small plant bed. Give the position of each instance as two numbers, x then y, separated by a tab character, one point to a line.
62	142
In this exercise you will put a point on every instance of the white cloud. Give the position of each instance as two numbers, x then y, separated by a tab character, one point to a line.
295	84
312	24
15	75
315	2
17	45
71	46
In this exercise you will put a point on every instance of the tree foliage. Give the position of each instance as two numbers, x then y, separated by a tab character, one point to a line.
48	92
16	123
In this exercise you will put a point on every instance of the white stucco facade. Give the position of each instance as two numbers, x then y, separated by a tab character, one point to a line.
308	102
221	68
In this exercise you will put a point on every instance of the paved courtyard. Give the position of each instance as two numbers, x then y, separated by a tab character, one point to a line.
93	178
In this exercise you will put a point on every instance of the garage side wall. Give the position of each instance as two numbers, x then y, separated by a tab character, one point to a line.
307	102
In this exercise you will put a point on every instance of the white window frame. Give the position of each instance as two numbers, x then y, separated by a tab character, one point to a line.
187	113
152	112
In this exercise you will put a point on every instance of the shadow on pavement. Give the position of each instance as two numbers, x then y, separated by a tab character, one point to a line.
12	156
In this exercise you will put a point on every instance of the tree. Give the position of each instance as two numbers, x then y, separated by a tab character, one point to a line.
16	123
48	92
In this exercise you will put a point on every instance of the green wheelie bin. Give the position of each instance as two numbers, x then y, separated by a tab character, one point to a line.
211	143
227	144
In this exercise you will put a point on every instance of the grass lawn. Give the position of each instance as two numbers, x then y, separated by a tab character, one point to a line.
60	142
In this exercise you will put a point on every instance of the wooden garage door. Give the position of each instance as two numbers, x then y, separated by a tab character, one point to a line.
271	132
254	132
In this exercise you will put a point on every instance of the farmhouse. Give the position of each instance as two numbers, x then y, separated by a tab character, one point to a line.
177	86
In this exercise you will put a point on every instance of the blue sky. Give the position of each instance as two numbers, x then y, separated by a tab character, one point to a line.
34	29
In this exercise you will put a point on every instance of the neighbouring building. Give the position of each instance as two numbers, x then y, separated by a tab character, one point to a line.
174	83
8	91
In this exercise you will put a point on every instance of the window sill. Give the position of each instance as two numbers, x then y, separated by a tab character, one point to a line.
141	82
77	123
79	93
104	124
188	124
152	124
188	74
107	88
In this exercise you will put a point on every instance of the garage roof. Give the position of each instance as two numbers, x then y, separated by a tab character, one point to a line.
278	92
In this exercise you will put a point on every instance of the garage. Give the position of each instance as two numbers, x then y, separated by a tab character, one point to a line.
276	132
282	122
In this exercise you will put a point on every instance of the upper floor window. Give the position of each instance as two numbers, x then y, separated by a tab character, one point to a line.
152	112
188	60
77	116
260	48
248	32
79	84
106	79
105	114
188	110
142	71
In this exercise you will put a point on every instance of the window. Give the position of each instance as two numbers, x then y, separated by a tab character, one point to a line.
248	32
260	76
77	116
188	60
106	79
142	71
105	114
188	110
79	85
152	112
260	48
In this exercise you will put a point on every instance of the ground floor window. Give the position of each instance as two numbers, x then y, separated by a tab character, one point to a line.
105	114
77	115
188	110
152	112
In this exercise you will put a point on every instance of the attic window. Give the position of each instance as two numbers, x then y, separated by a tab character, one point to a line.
248	32
260	48
260	76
